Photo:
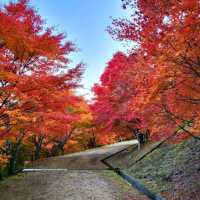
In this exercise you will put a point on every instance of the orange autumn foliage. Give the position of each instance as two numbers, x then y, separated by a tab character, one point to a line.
162	70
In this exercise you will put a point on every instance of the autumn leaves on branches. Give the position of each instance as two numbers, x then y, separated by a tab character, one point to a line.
154	86
36	83
158	81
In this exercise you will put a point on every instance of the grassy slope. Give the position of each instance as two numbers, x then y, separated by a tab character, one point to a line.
125	159
171	170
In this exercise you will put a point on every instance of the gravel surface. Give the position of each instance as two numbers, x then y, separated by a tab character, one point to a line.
72	185
77	183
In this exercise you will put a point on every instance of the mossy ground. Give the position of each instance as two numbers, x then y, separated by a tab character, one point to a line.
171	170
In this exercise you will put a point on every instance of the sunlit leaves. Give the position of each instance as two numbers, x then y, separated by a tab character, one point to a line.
159	84
36	83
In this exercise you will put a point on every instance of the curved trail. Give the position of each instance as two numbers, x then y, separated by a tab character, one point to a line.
86	179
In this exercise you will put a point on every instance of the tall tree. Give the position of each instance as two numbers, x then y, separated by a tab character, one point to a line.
165	57
111	107
36	81
167	36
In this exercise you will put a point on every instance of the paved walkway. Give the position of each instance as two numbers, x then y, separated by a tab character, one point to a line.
84	178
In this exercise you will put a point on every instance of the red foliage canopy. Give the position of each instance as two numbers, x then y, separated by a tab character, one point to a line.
161	78
36	83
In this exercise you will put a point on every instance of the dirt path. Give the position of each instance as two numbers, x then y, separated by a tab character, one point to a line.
78	183
72	185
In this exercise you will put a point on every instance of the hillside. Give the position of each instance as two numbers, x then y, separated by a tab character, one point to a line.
171	170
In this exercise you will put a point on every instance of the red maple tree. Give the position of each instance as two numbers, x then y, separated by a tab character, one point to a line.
36	82
165	54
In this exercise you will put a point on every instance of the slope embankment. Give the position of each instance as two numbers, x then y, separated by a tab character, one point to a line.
171	170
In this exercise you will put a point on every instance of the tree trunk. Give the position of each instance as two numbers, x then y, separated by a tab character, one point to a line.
15	150
38	140
37	151
59	144
62	149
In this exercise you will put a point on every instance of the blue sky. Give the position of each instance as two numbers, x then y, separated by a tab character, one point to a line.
84	22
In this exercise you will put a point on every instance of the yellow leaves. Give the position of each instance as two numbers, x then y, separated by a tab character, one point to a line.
196	126
2	142
14	113
3	160
18	120
86	117
8	76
